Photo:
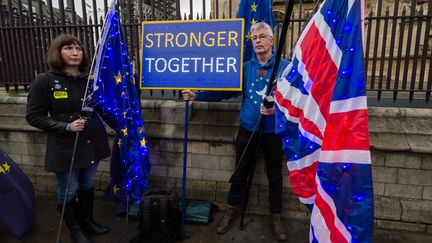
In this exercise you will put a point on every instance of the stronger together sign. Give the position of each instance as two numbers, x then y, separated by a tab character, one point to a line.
200	55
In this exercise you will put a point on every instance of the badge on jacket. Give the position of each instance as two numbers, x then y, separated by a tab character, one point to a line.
60	95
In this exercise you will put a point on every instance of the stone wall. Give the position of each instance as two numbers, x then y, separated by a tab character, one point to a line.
401	145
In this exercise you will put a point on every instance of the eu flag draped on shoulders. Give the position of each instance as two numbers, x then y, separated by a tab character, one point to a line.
254	11
16	197
114	90
322	116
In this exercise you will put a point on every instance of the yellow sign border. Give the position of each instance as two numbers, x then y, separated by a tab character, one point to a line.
188	21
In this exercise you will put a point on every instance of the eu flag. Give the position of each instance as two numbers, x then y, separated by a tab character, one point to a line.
16	197
114	90
323	117
254	11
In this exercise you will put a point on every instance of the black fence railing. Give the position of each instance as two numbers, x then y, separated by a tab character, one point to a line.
398	36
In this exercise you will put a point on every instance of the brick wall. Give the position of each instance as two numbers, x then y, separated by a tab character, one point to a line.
401	145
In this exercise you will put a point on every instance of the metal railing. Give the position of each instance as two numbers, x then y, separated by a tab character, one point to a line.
398	37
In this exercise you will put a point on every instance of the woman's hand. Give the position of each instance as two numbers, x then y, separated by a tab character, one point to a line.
266	111
78	125
188	95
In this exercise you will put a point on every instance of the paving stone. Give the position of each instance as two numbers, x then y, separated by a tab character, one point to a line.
387	208
420	143
216	175
427	193
384	174
403	191
16	137
227	162
222	117
159	171
173	159
416	211
223	149
204	161
427	162
191	173
201	190
41	137
378	157
35	160
170	146
198	147
412	227
384	124
389	141
36	149
172	112
14	148
378	188
417	125
403	160
222	189
414	177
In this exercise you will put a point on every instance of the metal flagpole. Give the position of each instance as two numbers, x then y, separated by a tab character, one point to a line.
183	195
288	12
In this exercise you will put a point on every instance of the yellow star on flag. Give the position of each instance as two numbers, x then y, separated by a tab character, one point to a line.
118	78
253	21
119	143
124	114
140	130
125	131
115	189
123	93
254	6
6	167
143	142
248	36
2	170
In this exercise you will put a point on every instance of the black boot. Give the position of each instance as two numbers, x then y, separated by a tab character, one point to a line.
72	220
85	200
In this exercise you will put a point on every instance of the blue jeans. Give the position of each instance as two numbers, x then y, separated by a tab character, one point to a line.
82	179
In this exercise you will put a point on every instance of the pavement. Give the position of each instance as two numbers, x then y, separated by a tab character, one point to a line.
256	230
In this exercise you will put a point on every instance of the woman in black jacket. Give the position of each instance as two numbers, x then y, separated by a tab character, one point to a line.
54	105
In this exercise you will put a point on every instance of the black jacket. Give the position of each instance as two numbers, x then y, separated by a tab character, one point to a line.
60	95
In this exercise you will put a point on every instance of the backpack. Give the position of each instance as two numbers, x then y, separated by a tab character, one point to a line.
159	217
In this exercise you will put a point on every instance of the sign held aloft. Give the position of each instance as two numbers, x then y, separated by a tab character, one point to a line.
197	54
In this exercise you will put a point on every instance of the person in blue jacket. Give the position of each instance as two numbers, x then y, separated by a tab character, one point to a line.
257	73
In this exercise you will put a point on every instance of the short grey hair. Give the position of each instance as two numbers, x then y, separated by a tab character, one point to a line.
262	25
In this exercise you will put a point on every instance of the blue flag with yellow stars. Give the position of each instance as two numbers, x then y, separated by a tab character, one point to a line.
254	11
113	89
16	197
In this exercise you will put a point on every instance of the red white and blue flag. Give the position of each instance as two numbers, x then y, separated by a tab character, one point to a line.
322	116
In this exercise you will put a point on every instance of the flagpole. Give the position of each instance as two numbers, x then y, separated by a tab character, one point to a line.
183	195
67	187
94	60
288	12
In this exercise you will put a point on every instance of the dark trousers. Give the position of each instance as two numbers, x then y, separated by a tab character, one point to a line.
271	145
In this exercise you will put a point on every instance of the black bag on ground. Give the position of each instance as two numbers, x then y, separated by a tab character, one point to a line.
159	217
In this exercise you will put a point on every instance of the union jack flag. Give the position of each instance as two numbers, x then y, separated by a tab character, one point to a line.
322	116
